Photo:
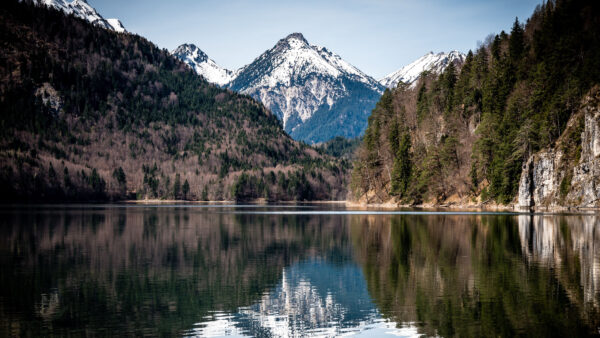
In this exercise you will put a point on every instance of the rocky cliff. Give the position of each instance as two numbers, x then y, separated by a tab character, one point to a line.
550	178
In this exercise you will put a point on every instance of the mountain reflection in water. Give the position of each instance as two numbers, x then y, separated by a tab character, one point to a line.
252	271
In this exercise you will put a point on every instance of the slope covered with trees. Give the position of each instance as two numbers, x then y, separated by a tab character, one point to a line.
88	113
464	136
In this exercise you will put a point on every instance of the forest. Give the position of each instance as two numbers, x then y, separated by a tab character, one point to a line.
91	114
464	135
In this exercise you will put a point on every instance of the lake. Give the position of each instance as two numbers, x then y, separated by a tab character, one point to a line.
295	270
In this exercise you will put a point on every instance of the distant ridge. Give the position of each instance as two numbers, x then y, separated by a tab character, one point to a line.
434	63
313	91
83	10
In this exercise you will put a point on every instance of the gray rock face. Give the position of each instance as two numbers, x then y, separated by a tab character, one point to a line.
540	179
544	171
585	186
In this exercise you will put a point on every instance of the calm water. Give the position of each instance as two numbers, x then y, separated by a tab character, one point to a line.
295	271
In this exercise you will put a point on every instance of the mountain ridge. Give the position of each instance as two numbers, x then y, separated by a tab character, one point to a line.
121	118
83	10
203	65
301	82
431	62
314	92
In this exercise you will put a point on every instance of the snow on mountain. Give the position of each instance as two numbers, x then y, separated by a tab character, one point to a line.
312	90
435	63
116	25
203	65
81	9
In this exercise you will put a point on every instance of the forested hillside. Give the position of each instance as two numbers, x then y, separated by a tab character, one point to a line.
465	135
88	113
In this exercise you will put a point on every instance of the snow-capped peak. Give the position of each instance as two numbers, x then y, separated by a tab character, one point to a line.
203	65
81	9
296	80
293	58
431	62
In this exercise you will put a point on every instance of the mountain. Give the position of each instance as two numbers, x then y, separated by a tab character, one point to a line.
313	91
430	62
81	9
203	65
516	124
121	118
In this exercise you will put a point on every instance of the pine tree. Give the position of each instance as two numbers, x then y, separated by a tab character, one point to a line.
119	176
516	42
185	189
205	194
402	167
177	187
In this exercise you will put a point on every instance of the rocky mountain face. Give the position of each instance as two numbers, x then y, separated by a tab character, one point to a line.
313	91
569	173
430	62
81	9
203	65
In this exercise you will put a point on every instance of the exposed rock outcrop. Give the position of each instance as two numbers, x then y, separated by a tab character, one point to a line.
552	179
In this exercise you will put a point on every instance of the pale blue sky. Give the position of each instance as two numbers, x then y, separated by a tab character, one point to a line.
377	36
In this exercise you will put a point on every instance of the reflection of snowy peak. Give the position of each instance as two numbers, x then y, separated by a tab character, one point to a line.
203	65
434	63
313	91
313	298
81	9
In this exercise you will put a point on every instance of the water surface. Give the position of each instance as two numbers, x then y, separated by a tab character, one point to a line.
319	270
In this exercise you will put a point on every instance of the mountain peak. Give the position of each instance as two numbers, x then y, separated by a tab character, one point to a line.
298	81
83	10
189	50
202	64
432	62
294	40
296	36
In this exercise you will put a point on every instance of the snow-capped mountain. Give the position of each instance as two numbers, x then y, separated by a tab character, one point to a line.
203	65
435	63
312	90
81	9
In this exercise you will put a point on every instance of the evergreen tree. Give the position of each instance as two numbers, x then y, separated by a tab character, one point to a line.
177	187
185	189
205	194
401	172
516	44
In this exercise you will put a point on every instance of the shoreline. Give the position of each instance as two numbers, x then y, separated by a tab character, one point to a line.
258	202
476	207
388	206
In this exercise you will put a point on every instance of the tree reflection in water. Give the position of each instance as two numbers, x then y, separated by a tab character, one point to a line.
483	275
173	270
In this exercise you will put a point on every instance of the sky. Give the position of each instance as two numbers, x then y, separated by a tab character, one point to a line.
377	36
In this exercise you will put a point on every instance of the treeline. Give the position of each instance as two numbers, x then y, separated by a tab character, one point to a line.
468	131
84	99
340	147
